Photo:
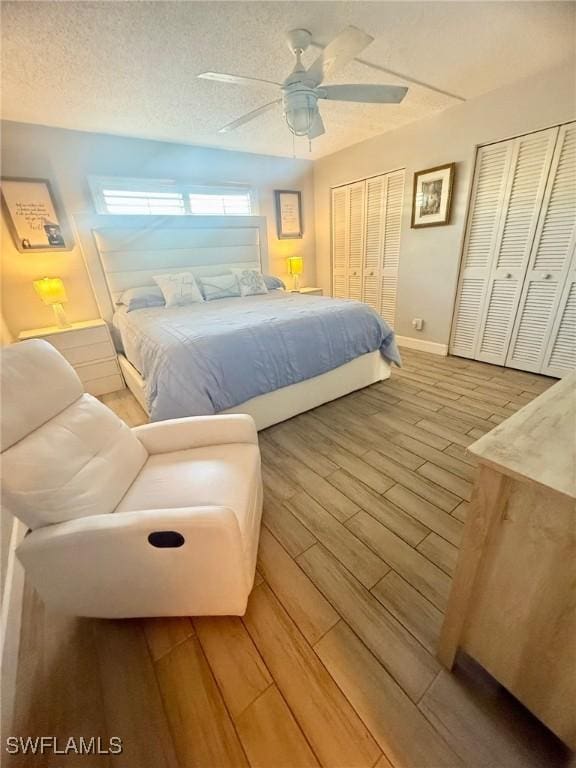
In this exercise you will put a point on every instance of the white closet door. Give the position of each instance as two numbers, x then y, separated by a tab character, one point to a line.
391	245
373	244
549	261
560	356
366	224
486	206
340	197
357	194
530	165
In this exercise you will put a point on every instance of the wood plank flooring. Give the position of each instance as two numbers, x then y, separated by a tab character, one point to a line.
333	664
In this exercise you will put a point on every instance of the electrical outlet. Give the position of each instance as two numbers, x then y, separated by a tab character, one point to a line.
418	323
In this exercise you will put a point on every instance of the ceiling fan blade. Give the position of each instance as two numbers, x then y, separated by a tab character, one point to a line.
369	94
317	128
250	116
222	77
337	53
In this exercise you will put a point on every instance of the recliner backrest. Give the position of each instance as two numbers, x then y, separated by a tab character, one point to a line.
64	453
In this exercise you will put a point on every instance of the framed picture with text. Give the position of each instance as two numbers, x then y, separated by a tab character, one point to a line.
432	196
32	215
288	214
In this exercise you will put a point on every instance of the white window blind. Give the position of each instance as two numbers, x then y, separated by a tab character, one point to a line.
220	204
126	201
169	198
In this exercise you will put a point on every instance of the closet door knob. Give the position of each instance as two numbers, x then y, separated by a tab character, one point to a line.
371	274
508	275
547	276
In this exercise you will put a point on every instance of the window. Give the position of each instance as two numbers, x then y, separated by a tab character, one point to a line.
169	198
220	204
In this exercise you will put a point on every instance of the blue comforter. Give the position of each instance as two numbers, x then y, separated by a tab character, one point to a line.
205	358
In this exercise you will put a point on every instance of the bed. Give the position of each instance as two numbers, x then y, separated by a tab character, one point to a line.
272	356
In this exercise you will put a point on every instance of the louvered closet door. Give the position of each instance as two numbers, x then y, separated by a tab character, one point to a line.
549	265
486	205
356	199
560	356
340	197
366	223
391	245
527	177
374	240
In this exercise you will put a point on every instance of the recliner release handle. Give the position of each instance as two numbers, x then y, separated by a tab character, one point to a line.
166	539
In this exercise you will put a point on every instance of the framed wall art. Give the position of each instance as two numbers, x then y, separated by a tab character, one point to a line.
32	215
288	214
432	196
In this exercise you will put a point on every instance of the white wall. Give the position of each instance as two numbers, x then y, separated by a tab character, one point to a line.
11	591
6	519
67	158
429	258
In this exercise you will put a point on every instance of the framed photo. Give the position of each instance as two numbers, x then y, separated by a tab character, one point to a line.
432	196
32	215
288	214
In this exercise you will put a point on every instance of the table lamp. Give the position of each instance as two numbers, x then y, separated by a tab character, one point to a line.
296	267
52	292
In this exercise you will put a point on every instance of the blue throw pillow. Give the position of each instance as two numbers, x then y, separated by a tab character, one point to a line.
141	298
273	283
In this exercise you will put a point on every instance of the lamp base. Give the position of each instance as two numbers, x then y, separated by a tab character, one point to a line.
60	315
295	283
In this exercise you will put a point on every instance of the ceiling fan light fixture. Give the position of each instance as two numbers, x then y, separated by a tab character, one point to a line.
300	110
303	87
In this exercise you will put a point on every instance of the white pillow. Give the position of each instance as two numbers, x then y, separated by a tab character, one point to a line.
224	286
179	289
251	282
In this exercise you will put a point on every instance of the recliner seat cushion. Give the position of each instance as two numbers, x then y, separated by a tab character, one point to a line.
80	463
218	475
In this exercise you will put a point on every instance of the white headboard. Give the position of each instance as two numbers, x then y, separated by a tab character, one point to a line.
124	252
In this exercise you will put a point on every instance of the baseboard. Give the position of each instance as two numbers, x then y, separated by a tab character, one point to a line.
10	623
422	345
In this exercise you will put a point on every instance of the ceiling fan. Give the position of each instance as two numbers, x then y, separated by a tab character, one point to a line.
303	87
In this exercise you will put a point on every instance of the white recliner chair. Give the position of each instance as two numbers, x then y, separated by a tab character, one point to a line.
160	520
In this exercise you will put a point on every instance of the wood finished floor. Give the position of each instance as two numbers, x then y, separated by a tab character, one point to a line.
333	664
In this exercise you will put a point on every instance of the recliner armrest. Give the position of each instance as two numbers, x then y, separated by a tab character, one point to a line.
196	432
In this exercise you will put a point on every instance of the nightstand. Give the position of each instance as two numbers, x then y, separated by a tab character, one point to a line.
88	347
311	291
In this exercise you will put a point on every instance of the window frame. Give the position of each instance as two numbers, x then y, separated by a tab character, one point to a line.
98	184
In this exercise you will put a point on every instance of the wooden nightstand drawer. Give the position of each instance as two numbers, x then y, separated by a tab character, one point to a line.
88	353
88	347
99	370
78	338
104	385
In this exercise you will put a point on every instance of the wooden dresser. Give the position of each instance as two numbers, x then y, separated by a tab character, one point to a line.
513	600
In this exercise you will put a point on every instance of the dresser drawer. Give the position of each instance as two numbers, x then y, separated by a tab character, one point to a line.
97	370
78	337
89	353
104	385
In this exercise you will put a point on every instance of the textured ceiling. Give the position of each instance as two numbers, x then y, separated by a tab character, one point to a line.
129	67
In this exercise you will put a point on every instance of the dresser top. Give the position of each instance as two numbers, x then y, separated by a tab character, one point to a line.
35	333
538	443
